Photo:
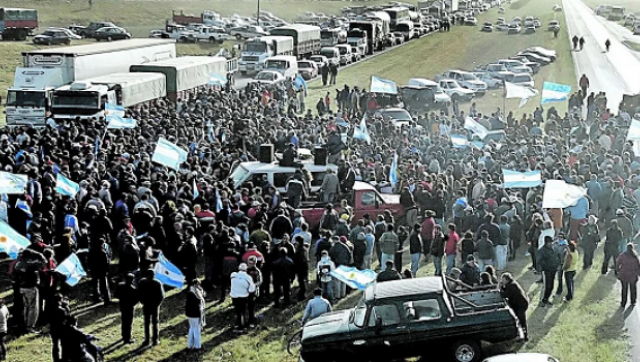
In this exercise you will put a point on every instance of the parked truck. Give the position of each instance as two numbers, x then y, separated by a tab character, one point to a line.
17	23
42	71
306	38
257	50
87	99
373	31
332	36
358	38
207	17
383	18
186	73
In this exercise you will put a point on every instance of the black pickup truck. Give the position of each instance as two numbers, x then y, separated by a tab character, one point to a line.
410	318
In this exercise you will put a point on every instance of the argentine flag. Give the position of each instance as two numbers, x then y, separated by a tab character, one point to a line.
22	205
167	273
521	180
12	184
357	279
215	79
379	85
299	82
476	128
168	154
64	186
559	194
393	172
117	122
113	110
71	267
554	92
459	141
361	132
11	242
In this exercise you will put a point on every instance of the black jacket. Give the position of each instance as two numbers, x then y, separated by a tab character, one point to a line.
516	296
127	294
415	243
193	306
470	274
151	292
283	270
547	260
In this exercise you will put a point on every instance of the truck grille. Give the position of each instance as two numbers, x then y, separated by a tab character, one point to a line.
250	59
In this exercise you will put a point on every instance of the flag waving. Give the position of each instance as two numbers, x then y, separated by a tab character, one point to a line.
66	187
168	154
379	85
72	268
167	273
515	179
554	92
393	172
12	184
354	278
559	194
11	242
361	132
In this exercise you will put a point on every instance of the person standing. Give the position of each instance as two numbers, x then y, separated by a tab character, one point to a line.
584	85
415	249
325	267
324	71
242	286
570	268
194	310
516	298
485	250
58	315
316	307
4	320
611	244
341	254
256	275
628	266
283	274
99	260
333	69
151	293
547	262
301	262
590	240
451	249
502	245
437	249
370	241
575	40
127	294
389	243
607	45
581	41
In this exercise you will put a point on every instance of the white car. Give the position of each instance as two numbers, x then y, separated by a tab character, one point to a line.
320	60
528	21
466	80
603	10
496	70
470	20
557	7
553	25
69	32
523	79
247	31
487	27
269	77
521	69
636	29
455	91
544	52
307	69
522	357
501	11
514	29
502	27
398	116
491	82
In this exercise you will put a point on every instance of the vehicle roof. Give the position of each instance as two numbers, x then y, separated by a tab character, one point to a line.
88	49
392	110
282	57
520	357
404	287
422	81
126	78
184	62
259	167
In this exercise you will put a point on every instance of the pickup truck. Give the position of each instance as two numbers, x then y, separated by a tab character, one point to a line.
455	91
364	199
411	318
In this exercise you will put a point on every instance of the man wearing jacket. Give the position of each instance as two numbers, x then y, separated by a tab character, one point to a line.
151	296
415	249
242	286
548	262
389	243
127	294
341	254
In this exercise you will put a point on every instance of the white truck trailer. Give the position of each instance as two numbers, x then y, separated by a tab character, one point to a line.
257	50
42	71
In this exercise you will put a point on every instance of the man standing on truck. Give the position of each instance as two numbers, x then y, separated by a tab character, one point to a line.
330	186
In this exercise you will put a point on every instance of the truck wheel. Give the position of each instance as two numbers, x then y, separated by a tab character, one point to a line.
220	41
466	351
21	35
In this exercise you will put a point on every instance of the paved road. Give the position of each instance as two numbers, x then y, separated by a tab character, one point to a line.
616	72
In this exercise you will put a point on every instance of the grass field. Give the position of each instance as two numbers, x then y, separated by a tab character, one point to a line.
464	48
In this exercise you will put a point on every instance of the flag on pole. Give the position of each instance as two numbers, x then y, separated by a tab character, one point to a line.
520	180
168	154
517	91
12	183
559	194
22	205
113	110
393	172
117	122
361	132
476	128
167	273
554	92
379	85
64	186
196	193
72	268
354	278
459	141
11	242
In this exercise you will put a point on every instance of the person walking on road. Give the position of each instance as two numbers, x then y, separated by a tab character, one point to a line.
628	265
607	44
575	40
584	83
581	41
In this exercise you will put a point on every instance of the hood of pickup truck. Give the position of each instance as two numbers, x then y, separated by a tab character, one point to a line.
391	199
327	327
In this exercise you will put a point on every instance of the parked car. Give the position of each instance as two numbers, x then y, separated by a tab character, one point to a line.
502	27
514	29
355	54
398	116
522	357
521	69
501	10
636	29
547	53
537	23
528	21
553	25
629	20
70	33
487	27
525	61
455	91
112	33
90	31
535	58
345	53
399	37
470	20
530	29
523	79
557	7
320	60
491	82
603	10
269	77
496	70
389	40
52	36
247	31
465	80
308	69
501	21
77	29
516	20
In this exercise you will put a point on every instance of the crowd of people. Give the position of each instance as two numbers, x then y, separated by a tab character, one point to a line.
254	244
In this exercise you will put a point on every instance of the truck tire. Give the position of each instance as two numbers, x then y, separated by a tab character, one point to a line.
466	351
21	35
212	40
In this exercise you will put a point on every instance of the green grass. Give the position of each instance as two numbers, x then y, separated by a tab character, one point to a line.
464	48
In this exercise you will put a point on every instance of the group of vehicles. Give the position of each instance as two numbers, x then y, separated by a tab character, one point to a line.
517	25
78	81
100	31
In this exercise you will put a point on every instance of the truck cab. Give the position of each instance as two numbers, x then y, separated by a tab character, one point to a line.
287	65
411	318
81	99
28	100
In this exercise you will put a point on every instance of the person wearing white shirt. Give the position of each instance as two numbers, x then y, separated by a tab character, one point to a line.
241	286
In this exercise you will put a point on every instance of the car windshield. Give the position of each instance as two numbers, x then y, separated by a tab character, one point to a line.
49	33
255	47
239	174
25	99
264	76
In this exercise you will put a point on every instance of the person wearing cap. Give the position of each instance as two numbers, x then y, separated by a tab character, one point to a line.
548	262
626	225
242	285
127	295
316	306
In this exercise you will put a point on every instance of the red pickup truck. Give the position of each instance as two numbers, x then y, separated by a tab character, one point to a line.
364	199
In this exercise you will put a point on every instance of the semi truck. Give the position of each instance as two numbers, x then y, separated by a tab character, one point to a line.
185	73
373	31
332	36
383	18
87	99
257	50
306	38
17	23
42	71
358	38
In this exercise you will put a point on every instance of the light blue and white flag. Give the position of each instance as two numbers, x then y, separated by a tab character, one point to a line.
196	193
354	278
12	183
476	128
96	147
361	132
72	268
64	186
117	122
379	85
299	82
393	172
168	154
521	180
22	205
554	92
459	141
167	273
634	131
218	202
215	79
11	242
113	110
559	194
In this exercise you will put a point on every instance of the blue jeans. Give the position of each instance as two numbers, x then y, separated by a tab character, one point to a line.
437	261
450	262
384	259
327	290
415	263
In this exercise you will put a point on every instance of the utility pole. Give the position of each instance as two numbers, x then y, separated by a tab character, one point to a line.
258	15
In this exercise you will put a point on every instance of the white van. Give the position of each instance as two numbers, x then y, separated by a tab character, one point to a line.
332	54
407	29
345	53
286	65
277	175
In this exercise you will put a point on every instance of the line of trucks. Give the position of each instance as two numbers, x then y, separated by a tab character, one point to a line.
76	82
